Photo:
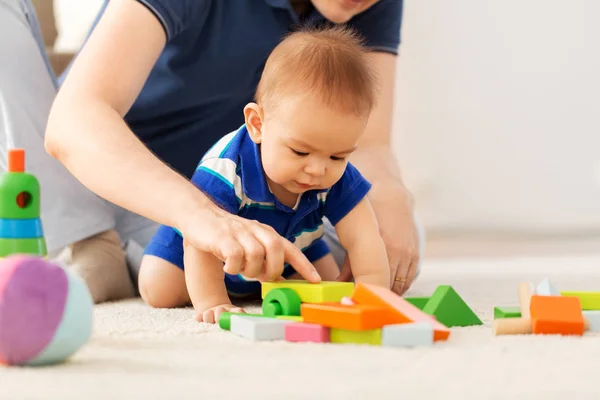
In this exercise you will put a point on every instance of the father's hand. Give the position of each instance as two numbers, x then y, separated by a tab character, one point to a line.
394	212
393	206
246	247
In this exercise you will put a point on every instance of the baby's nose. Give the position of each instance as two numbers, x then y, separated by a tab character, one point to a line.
316	168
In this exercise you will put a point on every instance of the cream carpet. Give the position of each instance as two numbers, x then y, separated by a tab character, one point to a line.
140	353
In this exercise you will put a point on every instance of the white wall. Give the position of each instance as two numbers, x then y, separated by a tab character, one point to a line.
497	114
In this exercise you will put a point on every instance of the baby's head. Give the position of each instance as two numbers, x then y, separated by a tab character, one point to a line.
312	106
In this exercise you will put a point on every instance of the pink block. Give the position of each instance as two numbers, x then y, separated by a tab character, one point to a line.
303	332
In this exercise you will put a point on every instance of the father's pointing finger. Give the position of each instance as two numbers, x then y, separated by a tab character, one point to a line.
298	260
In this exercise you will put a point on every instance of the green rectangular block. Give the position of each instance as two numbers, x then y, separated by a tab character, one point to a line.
225	319
418	302
507	312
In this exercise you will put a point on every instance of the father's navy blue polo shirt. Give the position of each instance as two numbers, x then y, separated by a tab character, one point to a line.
211	65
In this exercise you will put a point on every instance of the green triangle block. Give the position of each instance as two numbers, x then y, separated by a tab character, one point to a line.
507	312
418	302
450	309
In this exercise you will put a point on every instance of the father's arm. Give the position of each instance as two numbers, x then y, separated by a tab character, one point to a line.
391	201
86	130
87	133
380	26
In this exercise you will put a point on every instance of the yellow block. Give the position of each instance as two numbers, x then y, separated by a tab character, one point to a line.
588	300
372	336
323	292
296	318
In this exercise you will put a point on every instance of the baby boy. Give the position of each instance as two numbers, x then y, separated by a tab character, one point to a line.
287	167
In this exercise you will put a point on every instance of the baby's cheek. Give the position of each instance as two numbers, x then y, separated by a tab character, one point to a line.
336	174
275	170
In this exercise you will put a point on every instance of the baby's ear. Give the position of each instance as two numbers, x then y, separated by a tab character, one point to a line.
253	114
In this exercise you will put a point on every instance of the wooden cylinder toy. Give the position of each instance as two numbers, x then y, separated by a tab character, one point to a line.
525	292
512	326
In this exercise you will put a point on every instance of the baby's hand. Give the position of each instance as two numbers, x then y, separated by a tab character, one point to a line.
213	314
377	279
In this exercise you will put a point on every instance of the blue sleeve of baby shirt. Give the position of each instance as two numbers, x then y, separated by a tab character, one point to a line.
218	179
380	25
345	194
177	15
317	250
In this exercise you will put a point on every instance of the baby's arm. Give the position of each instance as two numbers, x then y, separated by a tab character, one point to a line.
359	235
204	278
326	267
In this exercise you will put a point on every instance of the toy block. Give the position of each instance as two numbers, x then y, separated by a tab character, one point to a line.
254	328
303	332
336	315
507	312
512	326
281	301
411	334
520	326
450	309
525	290
418	302
225	319
401	310
293	318
371	336
546	288
593	316
556	315
323	292
588	300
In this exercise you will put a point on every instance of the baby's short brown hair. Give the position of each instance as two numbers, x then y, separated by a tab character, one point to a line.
329	62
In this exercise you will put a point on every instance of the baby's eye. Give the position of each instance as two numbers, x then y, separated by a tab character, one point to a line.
334	158
299	153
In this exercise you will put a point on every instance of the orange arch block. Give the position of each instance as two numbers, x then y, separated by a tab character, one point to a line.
556	315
